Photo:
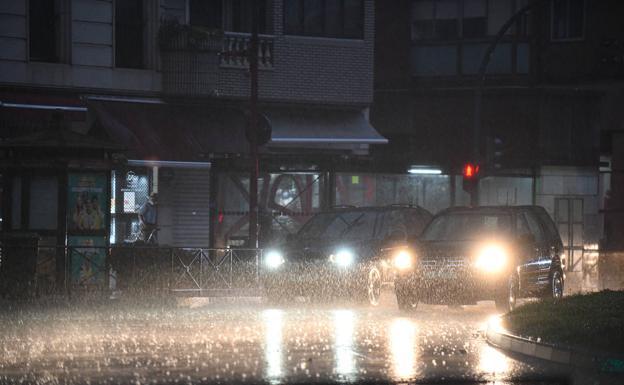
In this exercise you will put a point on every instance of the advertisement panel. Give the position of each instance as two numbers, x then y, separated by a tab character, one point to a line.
87	202
88	260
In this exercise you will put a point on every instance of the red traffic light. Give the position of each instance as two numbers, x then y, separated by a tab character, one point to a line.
470	170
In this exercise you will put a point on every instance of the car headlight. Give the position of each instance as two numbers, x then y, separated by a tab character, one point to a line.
491	258
403	259
342	257
273	259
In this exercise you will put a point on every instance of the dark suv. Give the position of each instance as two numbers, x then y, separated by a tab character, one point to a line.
483	253
337	253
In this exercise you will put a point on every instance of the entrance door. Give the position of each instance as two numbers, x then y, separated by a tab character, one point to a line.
569	219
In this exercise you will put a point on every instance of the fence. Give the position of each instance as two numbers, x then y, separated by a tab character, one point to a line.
137	270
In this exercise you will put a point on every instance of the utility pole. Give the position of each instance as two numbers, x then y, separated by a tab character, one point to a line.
253	128
478	100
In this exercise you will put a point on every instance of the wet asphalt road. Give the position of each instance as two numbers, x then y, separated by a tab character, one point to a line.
251	343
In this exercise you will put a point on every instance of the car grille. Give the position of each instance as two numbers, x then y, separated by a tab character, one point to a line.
444	263
305	256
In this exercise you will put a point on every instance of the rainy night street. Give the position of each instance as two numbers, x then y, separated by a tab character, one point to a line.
232	343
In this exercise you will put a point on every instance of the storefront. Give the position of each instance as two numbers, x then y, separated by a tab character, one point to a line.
55	184
195	157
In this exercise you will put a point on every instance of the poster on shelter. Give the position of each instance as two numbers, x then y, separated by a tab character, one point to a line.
88	259
87	201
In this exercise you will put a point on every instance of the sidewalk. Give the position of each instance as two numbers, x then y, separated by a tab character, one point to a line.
574	357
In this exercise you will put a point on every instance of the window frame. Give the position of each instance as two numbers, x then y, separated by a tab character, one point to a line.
324	35
552	24
530	217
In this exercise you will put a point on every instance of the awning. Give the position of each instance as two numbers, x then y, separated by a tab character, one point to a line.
298	126
186	132
174	132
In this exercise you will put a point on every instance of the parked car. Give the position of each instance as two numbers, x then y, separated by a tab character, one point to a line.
337	253
483	253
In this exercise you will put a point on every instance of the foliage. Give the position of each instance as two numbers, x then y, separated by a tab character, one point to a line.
174	35
592	321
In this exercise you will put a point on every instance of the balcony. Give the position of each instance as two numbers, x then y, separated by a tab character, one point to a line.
236	43
194	60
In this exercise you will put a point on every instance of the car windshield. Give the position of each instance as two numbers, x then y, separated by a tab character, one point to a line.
467	226
347	224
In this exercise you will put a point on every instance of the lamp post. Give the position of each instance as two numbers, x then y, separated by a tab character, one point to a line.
253	128
478	100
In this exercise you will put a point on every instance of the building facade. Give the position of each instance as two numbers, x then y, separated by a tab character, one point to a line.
168	81
547	106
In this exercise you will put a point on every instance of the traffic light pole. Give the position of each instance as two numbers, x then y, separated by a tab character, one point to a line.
478	100
253	128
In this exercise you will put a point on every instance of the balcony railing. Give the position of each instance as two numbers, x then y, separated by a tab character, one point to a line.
191	60
236	46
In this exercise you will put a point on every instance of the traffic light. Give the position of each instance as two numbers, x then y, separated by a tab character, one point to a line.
470	172
495	153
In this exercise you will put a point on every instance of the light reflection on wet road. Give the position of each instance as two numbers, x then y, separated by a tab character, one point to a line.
250	343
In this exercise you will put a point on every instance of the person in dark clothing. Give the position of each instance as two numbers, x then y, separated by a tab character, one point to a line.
148	219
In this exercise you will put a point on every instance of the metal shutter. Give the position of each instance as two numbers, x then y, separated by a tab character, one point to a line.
190	201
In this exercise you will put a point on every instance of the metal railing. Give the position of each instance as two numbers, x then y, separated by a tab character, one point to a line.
133	270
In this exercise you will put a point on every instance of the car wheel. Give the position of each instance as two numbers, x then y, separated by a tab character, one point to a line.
373	287
508	298
556	284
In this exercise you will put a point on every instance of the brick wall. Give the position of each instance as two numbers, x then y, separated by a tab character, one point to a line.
310	69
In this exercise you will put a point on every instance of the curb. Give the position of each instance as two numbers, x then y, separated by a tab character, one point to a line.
595	361
221	300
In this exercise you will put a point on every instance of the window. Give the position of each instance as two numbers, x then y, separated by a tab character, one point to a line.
522	228
568	19
324	18
435	19
239	16
465	227
440	19
44	30
42	213
475	19
233	15
457	34
129	34
206	13
536	228
129	192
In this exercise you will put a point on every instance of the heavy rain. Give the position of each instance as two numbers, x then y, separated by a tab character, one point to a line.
311	191
195	341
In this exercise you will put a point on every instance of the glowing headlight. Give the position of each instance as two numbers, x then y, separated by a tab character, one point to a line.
343	257
491	258
273	259
402	260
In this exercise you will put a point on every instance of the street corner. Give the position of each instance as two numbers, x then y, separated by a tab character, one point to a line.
574	358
